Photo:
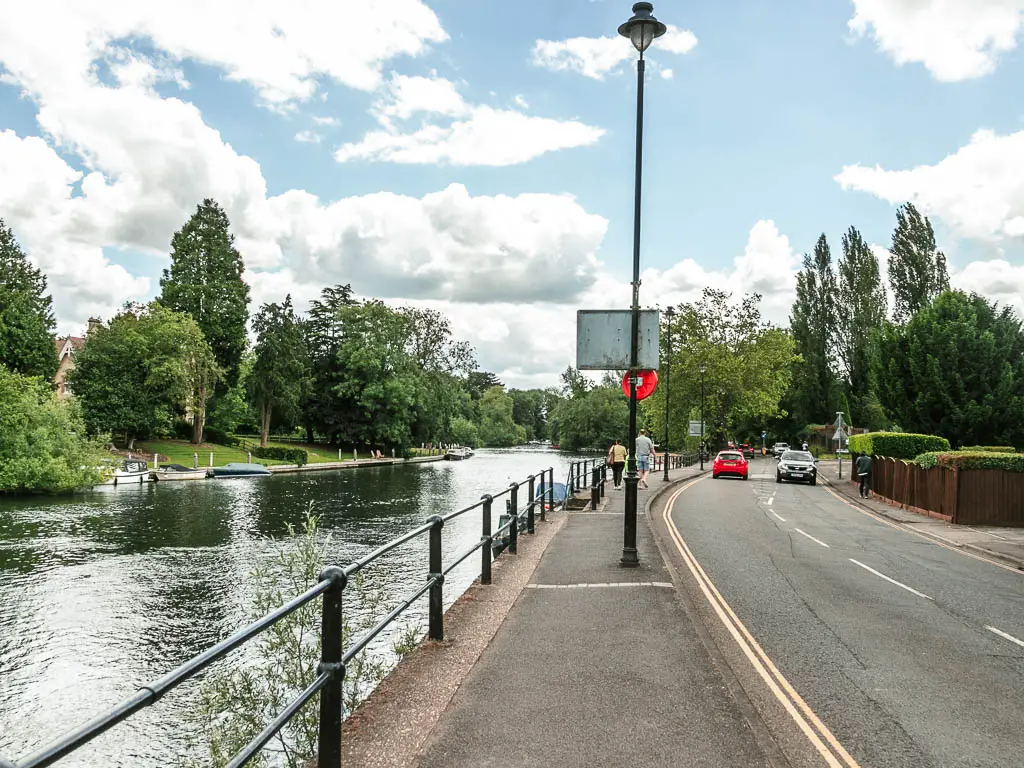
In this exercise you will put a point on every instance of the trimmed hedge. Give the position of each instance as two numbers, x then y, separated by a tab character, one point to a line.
1007	462
896	445
989	448
290	455
219	437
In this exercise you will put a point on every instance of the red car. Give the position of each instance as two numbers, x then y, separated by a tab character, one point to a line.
729	463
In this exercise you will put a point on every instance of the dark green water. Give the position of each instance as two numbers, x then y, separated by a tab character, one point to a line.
105	590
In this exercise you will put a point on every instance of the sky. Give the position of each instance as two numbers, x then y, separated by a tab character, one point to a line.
478	158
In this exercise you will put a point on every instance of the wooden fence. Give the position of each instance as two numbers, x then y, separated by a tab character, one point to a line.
968	497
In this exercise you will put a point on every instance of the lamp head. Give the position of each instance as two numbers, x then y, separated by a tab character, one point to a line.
642	28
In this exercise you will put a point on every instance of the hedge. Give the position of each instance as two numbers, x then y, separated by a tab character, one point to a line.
896	445
1007	462
219	437
291	455
989	448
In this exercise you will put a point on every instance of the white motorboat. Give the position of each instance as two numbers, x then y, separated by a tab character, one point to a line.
177	472
129	472
458	453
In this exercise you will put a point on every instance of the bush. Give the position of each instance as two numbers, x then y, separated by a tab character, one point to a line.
989	448
290	455
181	429
1006	462
897	445
218	436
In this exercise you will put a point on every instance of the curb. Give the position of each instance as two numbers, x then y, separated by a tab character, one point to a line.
1015	562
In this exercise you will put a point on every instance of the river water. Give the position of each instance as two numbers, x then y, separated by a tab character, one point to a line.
105	590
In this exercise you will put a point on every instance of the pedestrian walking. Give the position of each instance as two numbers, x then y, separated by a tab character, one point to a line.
617	461
864	473
644	446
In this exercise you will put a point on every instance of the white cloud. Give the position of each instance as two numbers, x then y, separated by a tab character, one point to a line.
667	74
521	102
308	137
331	122
595	57
997	280
954	39
978	191
477	134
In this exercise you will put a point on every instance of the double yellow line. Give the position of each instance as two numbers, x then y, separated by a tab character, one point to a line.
809	723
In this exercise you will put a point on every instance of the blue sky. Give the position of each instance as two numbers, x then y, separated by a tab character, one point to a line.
744	150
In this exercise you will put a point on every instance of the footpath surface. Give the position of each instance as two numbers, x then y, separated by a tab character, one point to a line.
999	543
596	665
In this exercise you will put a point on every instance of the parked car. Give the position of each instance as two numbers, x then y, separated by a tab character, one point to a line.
797	465
730	463
779	448
748	452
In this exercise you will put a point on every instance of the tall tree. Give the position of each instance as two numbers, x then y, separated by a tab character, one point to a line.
26	313
917	268
205	280
813	324
497	429
957	370
861	314
278	366
478	382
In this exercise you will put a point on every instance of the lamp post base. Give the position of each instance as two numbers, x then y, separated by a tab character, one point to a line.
630	559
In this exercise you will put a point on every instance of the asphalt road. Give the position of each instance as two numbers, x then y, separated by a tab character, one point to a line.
910	653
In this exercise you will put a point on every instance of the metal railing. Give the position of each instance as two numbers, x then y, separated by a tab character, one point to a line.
333	659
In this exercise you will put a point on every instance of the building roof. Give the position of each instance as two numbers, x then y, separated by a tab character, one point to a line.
77	342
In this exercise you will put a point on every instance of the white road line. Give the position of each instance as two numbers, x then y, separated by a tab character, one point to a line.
1006	636
771	500
816	541
891	581
778	516
989	533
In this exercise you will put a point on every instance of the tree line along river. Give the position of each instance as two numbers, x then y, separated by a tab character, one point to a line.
107	589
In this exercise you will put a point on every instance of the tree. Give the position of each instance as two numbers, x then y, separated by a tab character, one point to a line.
146	366
478	382
594	419
43	442
861	317
26	313
321	332
574	383
917	269
497	429
956	370
813	325
528	411
205	281
278	367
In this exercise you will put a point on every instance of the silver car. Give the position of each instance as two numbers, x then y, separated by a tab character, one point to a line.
797	465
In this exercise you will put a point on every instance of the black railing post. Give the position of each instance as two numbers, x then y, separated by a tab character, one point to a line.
551	491
332	701
595	489
531	489
513	529
604	478
485	538
436	620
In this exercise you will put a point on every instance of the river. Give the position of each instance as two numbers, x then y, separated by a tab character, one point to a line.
105	590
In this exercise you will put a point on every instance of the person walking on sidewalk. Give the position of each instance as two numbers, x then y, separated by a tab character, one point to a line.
864	473
617	461
644	446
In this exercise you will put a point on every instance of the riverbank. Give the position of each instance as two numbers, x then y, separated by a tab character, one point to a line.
350	464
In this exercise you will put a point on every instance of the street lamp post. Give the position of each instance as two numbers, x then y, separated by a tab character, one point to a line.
641	29
669	314
703	368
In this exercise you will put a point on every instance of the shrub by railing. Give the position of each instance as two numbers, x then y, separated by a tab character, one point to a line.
1006	462
220	437
990	448
896	445
291	455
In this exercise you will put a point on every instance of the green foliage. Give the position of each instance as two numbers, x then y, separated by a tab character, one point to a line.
205	281
896	445
528	411
478	382
957	370
989	449
279	367
43	442
594	420
497	429
814	329
917	269
26	313
289	455
464	432
218	436
141	370
966	460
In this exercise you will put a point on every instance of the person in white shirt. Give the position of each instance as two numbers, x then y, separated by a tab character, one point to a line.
644	446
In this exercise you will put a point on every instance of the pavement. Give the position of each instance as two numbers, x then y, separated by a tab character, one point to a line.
1001	543
600	665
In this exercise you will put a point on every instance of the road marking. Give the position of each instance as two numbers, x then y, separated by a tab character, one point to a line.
931	539
778	516
817	541
804	717
1009	637
891	581
988	533
771	500
663	584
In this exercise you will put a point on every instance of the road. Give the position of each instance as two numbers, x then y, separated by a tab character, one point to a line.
859	643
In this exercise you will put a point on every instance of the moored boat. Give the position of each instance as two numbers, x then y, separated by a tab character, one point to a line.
458	453
129	472
177	472
240	469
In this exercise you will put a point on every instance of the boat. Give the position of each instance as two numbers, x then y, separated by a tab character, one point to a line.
129	472
240	469
176	472
458	453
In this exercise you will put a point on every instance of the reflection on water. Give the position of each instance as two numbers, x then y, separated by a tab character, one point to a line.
105	590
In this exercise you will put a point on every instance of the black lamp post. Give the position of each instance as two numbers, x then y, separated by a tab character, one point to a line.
641	30
669	314
703	368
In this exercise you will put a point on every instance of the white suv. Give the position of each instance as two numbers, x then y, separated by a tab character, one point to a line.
780	448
